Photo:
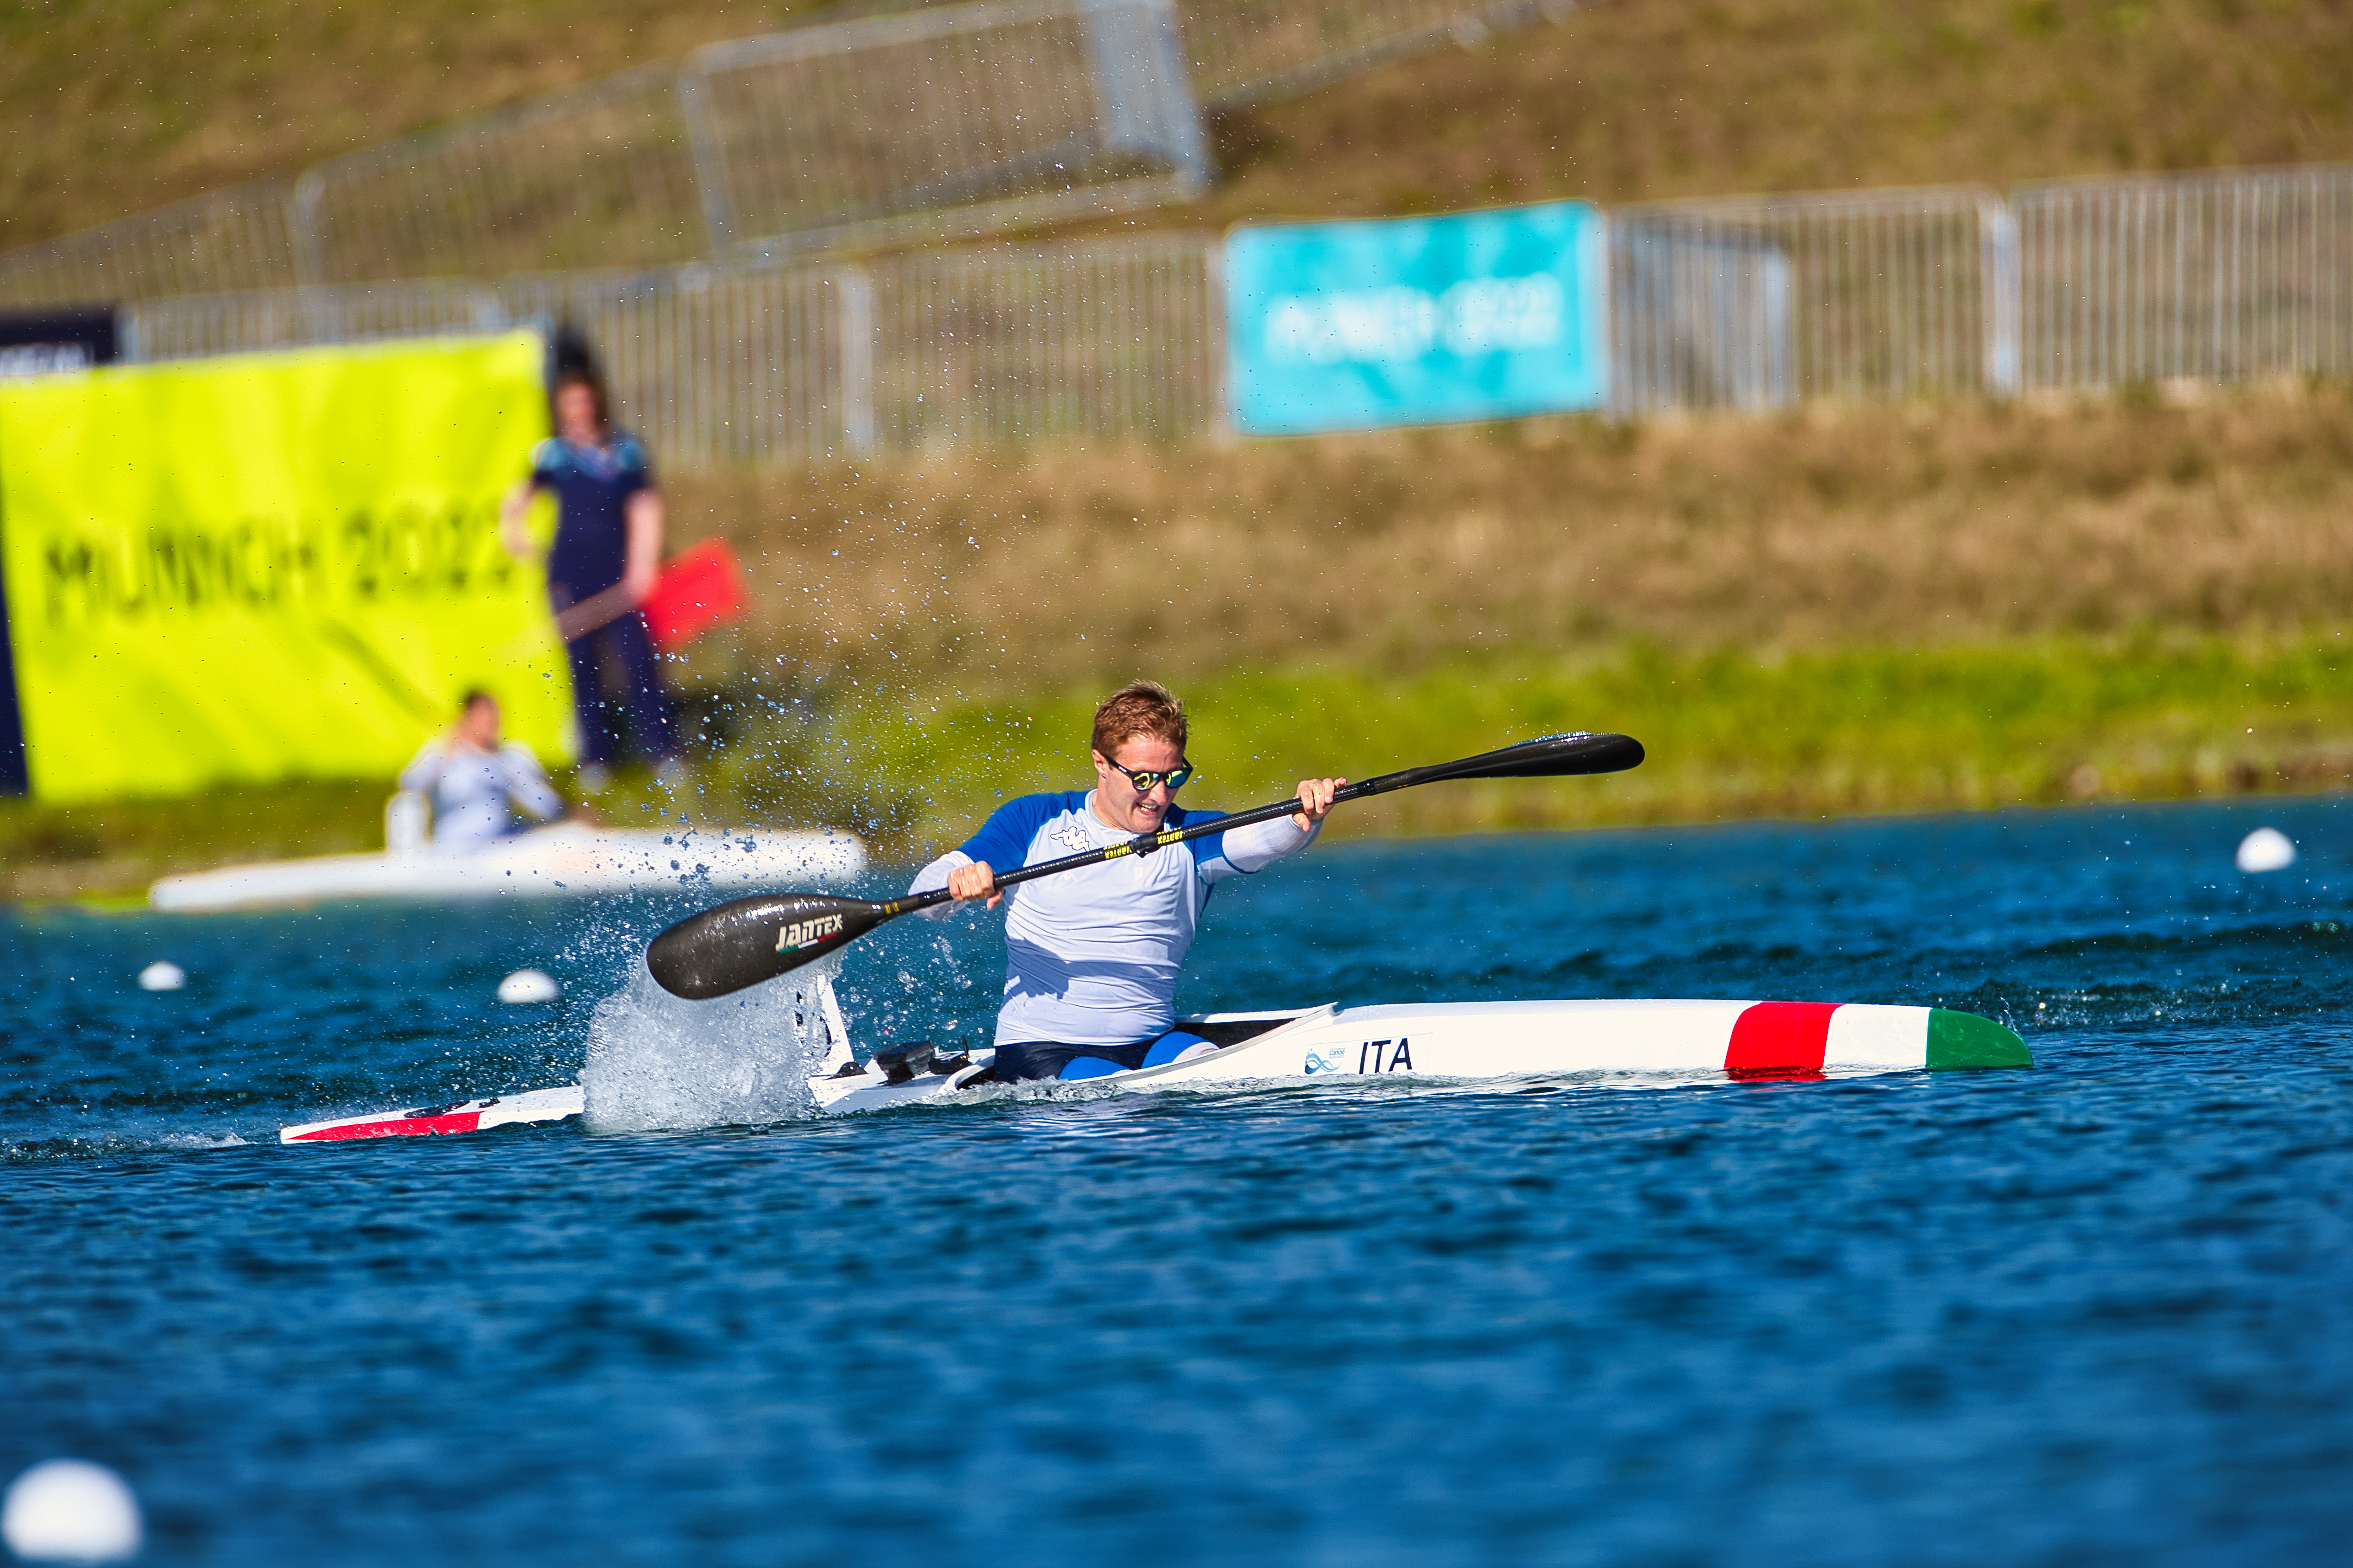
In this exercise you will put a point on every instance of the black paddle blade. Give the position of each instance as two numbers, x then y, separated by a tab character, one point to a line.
723	949
1553	756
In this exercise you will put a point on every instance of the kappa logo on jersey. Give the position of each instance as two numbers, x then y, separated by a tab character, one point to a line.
807	934
1072	837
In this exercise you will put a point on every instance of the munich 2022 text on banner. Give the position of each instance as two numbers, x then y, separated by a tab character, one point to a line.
270	566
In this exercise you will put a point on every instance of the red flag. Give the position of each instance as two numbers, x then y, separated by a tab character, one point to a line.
701	588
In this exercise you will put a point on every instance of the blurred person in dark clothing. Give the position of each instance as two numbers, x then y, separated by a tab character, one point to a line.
607	555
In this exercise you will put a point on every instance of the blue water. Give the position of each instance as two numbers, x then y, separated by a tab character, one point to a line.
2093	1313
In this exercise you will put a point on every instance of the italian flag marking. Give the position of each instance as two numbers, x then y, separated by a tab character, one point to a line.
1791	1040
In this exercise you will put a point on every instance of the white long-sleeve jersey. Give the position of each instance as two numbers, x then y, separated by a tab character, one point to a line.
1091	955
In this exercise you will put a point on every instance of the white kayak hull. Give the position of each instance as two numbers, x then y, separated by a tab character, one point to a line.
1697	1040
554	862
1674	1041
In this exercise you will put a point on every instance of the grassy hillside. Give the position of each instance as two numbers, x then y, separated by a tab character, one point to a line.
1889	609
1830	610
1645	100
108	107
998	572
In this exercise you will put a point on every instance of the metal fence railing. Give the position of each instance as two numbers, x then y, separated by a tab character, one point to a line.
1760	301
923	122
1921	294
966	118
715	365
2217	276
599	174
237	238
197	326
1117	339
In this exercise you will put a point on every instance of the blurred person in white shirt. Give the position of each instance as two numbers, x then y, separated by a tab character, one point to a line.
482	789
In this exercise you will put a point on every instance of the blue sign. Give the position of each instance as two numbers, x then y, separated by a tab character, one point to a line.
1484	315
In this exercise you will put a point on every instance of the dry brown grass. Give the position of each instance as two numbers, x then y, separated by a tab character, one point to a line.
1025	571
108	107
1646	99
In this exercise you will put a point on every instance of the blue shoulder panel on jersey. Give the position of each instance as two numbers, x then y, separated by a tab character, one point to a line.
1004	839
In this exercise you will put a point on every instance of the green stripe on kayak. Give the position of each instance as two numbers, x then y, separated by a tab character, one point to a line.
1966	1040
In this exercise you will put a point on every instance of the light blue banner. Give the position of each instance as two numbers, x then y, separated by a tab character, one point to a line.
1484	315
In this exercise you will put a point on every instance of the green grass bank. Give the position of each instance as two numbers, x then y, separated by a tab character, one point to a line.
2039	720
2035	721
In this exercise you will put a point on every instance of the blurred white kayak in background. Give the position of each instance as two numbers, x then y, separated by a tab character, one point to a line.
565	860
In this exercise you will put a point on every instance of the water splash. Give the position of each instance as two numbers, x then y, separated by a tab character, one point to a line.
657	1061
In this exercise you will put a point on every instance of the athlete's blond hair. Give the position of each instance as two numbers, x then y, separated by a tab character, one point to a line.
1139	708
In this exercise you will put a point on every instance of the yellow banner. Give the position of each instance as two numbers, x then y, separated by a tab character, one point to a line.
271	566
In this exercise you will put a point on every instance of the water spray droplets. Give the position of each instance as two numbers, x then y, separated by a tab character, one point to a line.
655	1061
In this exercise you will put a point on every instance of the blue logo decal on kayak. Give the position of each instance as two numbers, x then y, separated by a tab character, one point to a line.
1325	1061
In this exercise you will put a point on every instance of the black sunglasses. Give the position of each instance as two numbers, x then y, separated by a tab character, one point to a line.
1144	778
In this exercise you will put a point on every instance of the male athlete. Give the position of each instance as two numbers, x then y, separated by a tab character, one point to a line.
1091	955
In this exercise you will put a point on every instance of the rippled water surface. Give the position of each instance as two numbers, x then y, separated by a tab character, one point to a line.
2093	1313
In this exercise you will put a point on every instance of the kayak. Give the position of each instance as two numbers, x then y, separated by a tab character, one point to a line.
1459	1041
565	860
1682	1041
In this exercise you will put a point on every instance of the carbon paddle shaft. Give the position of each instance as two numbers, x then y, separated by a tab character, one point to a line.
724	949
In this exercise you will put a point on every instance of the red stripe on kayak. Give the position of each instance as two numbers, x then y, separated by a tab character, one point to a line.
395	1127
1775	1038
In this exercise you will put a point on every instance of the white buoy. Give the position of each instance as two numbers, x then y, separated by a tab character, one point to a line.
529	986
2266	849
70	1511
162	976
